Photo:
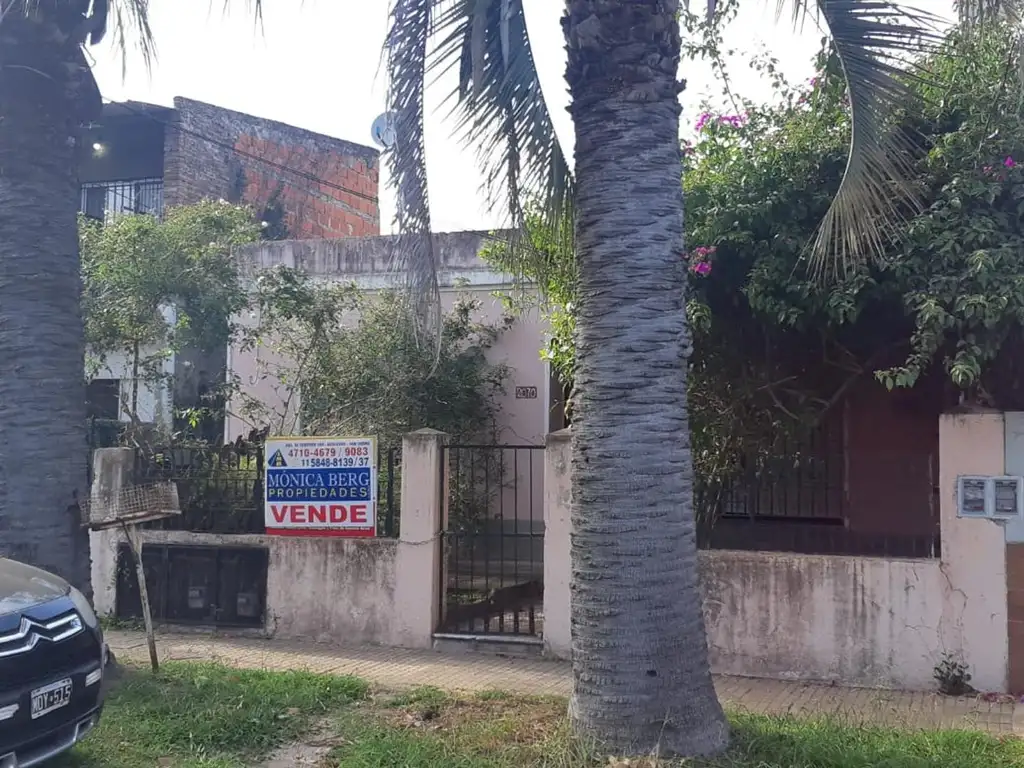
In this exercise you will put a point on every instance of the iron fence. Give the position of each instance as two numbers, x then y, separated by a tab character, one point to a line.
793	501
389	491
800	478
493	563
221	489
818	538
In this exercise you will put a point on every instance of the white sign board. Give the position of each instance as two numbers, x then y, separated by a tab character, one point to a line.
321	486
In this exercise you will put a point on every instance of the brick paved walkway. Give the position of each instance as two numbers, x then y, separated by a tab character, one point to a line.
398	668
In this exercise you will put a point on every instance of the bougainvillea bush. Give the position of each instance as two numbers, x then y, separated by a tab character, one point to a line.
776	346
947	294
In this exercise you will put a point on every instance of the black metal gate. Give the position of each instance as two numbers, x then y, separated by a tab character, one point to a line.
493	563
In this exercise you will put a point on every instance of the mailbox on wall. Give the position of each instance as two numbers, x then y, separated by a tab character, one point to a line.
990	498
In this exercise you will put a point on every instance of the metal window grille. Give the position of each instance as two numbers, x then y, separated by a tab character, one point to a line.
104	200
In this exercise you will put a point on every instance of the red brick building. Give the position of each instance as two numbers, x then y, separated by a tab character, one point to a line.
146	156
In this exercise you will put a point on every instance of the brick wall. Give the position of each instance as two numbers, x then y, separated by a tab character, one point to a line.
327	187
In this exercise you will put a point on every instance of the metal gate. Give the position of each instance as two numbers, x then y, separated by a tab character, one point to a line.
493	535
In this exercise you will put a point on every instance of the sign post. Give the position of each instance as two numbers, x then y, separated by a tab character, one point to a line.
321	486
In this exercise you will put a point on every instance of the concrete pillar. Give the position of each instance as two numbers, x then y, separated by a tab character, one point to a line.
418	577
112	470
557	528
1015	558
974	612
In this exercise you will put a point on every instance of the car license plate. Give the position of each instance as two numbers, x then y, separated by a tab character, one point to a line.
51	697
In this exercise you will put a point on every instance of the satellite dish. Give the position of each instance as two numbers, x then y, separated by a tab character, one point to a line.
383	131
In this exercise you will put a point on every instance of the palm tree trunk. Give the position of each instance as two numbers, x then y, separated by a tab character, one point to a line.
43	450
641	679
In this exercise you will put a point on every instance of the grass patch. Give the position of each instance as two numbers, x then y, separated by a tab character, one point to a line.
785	742
116	623
429	729
207	715
211	716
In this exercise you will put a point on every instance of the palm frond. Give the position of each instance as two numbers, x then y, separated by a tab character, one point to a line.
128	20
414	253
981	12
877	42
500	109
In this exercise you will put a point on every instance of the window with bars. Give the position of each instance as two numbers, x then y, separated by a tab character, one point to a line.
102	200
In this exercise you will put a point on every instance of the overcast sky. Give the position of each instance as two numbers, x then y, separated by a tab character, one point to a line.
314	65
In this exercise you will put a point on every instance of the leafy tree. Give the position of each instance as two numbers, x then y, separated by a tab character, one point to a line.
353	362
640	673
154	288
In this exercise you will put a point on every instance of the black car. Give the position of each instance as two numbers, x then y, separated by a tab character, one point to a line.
52	659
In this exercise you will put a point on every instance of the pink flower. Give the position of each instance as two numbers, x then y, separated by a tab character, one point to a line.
813	82
987	169
703	120
701	268
1009	162
734	120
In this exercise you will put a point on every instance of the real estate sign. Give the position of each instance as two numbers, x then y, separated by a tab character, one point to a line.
321	486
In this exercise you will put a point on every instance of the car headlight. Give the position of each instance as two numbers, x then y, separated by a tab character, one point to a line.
84	609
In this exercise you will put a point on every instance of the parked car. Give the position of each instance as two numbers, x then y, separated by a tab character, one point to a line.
52	659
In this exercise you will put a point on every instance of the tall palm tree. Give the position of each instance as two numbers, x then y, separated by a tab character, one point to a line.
47	93
641	679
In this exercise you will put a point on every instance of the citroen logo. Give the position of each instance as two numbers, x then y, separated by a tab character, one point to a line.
29	633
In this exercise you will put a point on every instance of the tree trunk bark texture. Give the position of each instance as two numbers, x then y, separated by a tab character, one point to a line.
641	677
43	451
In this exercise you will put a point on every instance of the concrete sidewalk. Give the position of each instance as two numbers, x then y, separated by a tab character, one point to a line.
400	668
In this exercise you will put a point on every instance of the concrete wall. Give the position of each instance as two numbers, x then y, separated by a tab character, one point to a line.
865	621
1015	558
328	589
557	528
326	186
343	591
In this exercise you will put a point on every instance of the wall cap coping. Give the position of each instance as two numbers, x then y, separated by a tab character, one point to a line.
426	435
561	436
